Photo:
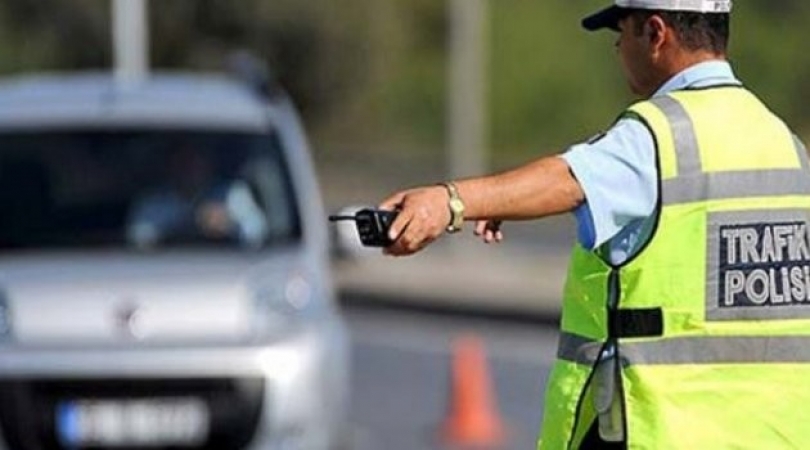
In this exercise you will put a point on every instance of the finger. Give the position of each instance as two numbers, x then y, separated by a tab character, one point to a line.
488	236
394	249
395	252
418	235
399	236
399	248
494	227
399	225
393	202
416	243
480	227
412	237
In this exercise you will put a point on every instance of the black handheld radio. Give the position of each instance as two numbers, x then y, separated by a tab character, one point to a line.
372	226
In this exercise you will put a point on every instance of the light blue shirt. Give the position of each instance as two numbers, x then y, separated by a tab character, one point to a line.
619	177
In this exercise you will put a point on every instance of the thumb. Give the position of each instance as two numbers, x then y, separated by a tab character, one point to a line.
393	202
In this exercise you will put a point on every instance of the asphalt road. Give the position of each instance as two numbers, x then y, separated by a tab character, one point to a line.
401	379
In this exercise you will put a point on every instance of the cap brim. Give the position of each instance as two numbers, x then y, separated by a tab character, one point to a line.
606	18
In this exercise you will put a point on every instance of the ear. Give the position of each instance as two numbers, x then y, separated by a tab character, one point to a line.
655	30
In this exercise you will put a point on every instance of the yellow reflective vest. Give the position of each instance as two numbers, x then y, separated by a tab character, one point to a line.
702	339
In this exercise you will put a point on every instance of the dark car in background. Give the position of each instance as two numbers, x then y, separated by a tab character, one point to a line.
164	273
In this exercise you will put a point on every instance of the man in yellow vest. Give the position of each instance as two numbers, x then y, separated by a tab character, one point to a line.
686	313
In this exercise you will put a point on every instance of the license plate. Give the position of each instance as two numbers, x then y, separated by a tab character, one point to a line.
136	422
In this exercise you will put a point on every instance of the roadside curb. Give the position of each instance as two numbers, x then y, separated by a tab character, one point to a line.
442	307
507	284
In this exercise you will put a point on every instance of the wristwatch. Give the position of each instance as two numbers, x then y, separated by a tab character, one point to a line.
456	207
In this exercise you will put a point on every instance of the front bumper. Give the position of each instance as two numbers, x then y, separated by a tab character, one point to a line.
283	393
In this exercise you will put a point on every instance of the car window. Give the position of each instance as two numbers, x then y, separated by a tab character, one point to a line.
144	190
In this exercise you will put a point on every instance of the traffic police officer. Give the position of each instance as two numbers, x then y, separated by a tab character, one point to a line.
686	313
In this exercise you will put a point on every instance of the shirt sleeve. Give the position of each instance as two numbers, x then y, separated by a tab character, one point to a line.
618	174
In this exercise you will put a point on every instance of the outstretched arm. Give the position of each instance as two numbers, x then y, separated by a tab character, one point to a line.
541	188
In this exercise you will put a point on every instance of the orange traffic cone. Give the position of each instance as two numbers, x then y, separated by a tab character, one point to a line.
473	419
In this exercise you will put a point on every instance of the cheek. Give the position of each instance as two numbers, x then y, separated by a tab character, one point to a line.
632	56
626	58
632	67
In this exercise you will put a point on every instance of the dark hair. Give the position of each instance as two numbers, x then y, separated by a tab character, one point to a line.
695	31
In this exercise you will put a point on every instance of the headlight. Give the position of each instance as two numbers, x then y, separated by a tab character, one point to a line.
5	319
284	302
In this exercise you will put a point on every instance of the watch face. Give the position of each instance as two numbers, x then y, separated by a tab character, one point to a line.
456	205
457	213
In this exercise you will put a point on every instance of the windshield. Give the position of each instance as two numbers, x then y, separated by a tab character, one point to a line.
144	190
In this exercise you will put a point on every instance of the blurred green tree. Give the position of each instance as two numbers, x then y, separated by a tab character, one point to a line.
370	74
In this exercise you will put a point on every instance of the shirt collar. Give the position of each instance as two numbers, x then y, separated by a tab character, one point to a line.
709	73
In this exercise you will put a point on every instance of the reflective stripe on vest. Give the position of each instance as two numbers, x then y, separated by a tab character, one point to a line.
693	350
692	184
